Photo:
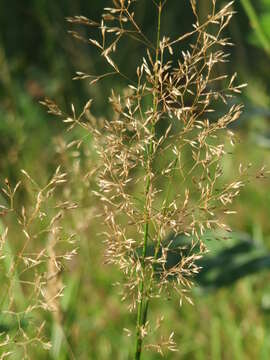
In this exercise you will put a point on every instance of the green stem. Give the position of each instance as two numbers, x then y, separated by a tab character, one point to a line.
256	25
143	309
157	250
14	280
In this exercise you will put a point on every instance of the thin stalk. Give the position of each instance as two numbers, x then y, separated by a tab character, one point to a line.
142	310
147	301
251	13
13	277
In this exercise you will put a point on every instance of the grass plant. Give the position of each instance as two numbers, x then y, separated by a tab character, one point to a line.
164	132
31	280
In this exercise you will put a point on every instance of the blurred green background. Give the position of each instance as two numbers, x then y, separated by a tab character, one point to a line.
230	318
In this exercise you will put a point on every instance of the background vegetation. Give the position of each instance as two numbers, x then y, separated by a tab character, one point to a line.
230	317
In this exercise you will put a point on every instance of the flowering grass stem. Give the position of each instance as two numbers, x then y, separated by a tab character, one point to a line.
142	297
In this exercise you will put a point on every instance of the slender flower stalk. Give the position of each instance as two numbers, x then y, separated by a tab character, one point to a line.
142	297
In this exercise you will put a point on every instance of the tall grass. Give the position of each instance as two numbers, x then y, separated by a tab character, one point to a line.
164	132
31	281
